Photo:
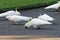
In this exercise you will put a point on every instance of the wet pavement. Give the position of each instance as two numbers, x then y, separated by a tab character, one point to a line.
7	27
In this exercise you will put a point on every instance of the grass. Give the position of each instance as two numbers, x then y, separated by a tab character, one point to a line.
25	3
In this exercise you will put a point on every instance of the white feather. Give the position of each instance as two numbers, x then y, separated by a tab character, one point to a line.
46	17
36	22
54	6
9	13
17	18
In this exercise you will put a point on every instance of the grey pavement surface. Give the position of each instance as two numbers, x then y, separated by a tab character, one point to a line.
7	27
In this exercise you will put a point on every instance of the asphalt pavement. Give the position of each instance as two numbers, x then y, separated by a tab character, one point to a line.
7	27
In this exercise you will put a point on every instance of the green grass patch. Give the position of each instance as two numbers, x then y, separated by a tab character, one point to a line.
24	3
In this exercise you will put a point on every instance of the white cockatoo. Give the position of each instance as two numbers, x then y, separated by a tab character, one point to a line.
54	6
46	17
36	22
17	18
9	13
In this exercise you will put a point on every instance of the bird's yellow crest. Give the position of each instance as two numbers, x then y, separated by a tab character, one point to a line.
16	10
58	4
27	23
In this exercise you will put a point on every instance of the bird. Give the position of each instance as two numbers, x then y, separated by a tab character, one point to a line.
36	22
10	13
17	18
46	17
54	6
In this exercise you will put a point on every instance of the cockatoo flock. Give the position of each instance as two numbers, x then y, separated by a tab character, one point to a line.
44	19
